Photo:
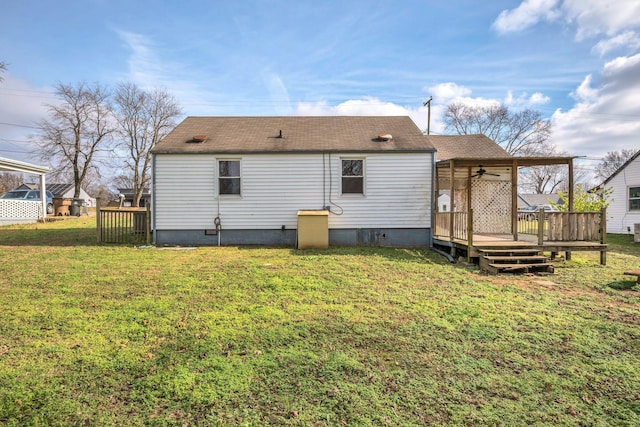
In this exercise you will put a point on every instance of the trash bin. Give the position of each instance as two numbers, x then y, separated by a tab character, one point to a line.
74	209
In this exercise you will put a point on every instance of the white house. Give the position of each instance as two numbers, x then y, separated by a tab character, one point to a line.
243	180
444	201
624	209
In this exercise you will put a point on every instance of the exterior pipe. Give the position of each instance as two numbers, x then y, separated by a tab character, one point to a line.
451	259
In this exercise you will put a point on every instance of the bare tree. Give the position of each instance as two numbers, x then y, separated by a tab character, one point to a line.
78	128
551	178
611	162
144	118
3	68
10	181
520	133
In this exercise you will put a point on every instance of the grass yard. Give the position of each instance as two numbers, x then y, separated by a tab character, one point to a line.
114	335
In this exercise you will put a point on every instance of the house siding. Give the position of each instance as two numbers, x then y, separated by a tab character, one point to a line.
274	187
619	219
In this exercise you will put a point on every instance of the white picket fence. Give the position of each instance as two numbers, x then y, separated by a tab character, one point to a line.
20	211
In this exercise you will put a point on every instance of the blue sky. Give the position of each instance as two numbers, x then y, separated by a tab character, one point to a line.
576	61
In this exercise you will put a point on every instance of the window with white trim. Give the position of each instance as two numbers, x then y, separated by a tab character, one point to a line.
229	177
352	176
634	198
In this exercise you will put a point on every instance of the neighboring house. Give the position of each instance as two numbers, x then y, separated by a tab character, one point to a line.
624	208
128	197
530	200
61	191
243	180
444	201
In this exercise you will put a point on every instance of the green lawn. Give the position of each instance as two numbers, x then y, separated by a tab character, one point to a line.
114	335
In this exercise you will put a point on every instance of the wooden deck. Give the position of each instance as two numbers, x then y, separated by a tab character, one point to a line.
548	233
506	241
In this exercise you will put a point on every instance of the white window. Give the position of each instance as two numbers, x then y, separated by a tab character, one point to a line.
352	176
634	198
229	177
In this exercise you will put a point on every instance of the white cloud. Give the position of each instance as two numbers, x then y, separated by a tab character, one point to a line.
584	92
364	107
595	17
448	91
22	106
529	13
279	94
606	117
538	99
525	101
613	21
629	40
143	62
149	67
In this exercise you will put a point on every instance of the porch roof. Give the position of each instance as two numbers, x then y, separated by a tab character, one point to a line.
505	161
11	165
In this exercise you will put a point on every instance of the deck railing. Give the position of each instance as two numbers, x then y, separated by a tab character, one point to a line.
123	225
547	226
563	226
453	225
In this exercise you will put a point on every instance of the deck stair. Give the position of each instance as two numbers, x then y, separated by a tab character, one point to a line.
513	260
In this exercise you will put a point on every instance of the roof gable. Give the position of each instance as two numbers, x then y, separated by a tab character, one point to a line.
621	168
294	134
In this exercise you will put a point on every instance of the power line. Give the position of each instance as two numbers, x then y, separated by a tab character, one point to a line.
20	126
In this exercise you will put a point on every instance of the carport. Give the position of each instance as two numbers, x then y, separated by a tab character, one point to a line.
9	165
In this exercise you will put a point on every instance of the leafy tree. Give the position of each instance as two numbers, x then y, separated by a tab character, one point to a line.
79	126
584	201
144	118
611	162
521	133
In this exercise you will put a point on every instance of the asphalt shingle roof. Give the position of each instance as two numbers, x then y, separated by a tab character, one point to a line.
466	147
299	134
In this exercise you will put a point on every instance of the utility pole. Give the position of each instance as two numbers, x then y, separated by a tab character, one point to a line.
427	103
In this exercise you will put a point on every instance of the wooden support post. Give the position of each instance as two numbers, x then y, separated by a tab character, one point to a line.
541	220
469	234
514	199
148	224
571	197
603	236
98	220
452	198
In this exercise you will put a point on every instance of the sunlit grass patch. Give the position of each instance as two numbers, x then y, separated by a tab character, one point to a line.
121	335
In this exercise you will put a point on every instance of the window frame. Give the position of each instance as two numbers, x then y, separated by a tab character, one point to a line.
634	199
220	177
362	177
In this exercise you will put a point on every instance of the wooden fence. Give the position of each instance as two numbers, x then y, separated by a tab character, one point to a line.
123	225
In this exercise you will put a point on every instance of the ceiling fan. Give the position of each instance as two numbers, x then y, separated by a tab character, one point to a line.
482	171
